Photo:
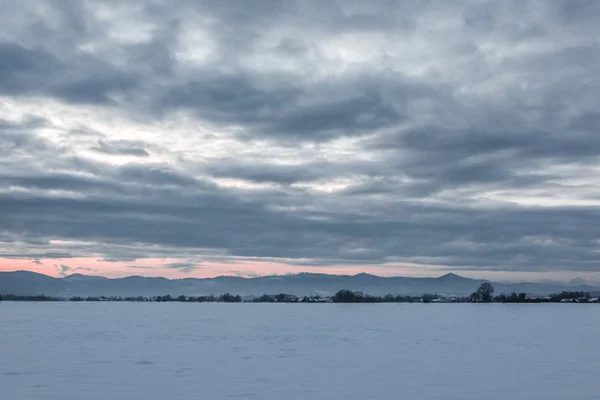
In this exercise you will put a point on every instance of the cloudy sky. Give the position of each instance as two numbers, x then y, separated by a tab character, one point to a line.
199	138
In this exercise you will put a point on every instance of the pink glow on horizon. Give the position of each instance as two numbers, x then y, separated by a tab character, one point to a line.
159	267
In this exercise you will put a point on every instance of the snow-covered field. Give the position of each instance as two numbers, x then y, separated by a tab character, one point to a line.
106	351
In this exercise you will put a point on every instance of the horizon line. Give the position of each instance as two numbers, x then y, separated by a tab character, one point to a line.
248	277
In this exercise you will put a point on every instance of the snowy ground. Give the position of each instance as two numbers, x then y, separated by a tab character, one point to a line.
105	351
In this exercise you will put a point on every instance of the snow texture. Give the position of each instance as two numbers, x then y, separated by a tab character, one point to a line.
101	351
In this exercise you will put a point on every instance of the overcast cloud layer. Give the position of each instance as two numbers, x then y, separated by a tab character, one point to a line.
451	134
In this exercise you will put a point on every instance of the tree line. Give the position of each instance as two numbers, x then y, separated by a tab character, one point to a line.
41	297
224	298
484	294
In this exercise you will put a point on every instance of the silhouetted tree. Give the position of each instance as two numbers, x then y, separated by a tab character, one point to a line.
0	297
484	293
474	297
574	296
344	296
229	298
281	298
389	298
265	298
428	298
514	298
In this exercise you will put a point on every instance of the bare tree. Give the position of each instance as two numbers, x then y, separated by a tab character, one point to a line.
485	292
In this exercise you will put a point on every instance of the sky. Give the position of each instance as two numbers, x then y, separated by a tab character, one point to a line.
202	138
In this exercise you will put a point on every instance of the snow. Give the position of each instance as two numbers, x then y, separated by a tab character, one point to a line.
64	351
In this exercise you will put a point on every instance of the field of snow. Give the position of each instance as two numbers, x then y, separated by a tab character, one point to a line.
105	351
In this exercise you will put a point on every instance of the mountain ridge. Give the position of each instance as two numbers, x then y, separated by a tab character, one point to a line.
33	283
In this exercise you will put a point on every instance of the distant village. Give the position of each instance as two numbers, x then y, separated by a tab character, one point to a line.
484	294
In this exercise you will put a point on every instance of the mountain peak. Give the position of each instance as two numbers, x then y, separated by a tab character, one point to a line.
364	275
73	276
451	275
82	277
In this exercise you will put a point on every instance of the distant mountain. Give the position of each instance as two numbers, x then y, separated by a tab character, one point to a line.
83	278
31	283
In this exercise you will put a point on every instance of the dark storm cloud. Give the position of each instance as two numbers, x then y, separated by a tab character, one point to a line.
27	71
364	112
480	103
268	103
276	106
264	172
29	254
227	98
469	236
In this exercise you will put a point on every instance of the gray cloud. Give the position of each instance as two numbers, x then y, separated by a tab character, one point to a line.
184	267
258	171
30	71
458	134
578	281
34	254
121	147
64	270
